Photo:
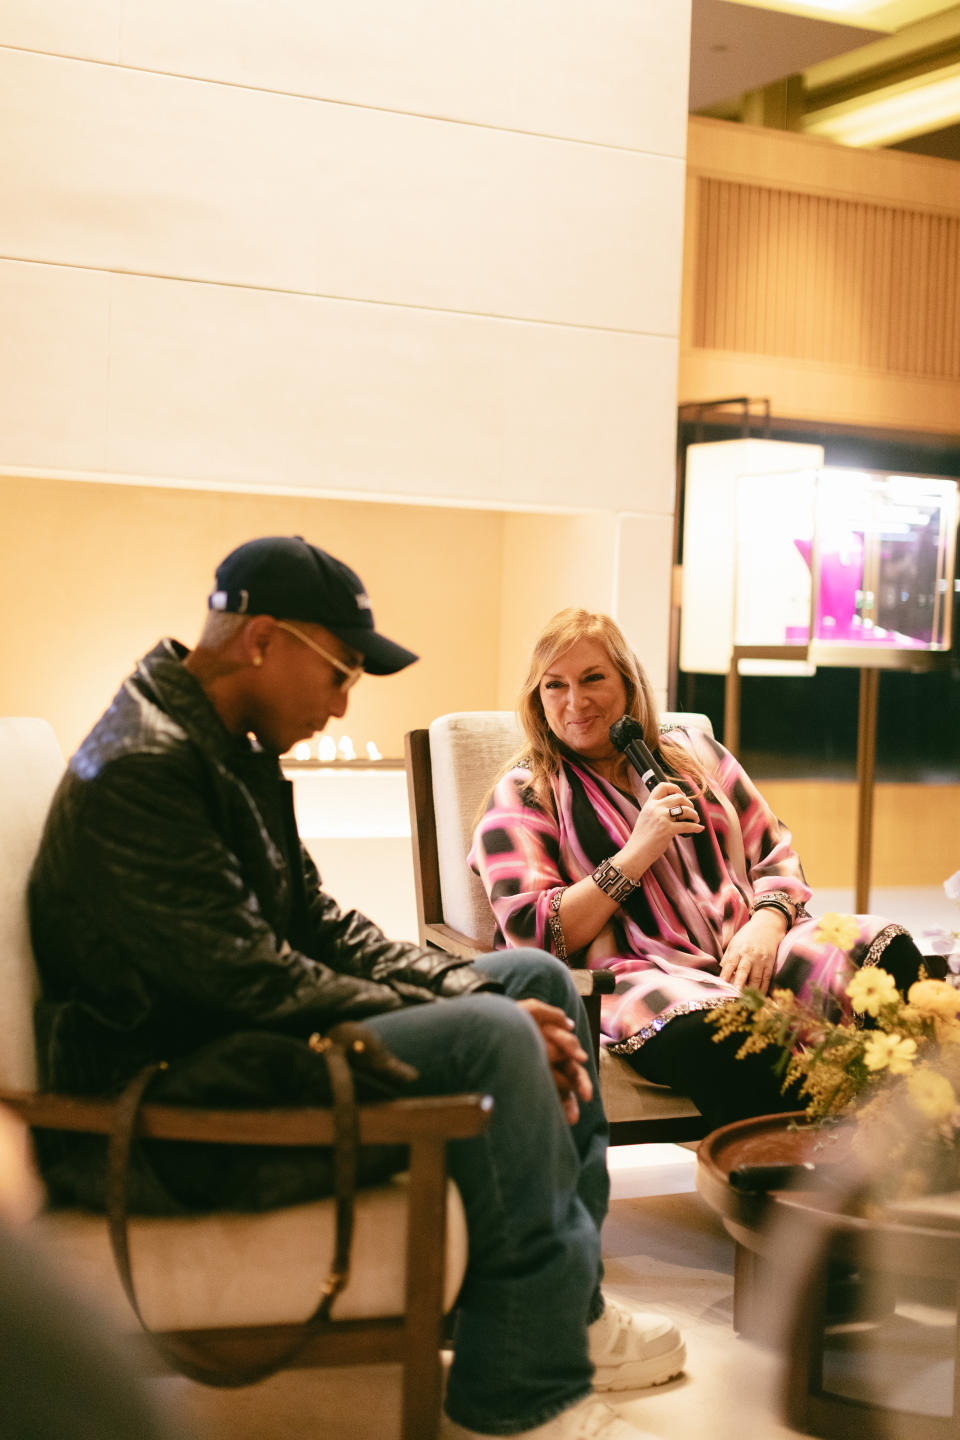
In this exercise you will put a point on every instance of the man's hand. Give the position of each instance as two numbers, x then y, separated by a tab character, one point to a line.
750	957
564	1054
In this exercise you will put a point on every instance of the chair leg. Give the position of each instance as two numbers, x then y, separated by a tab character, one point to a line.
591	1004
426	1255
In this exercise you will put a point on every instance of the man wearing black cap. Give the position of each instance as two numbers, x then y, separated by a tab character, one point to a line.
172	905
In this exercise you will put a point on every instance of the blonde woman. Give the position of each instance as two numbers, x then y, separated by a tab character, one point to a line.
689	892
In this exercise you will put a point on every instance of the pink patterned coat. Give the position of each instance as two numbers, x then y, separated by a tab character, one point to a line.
667	940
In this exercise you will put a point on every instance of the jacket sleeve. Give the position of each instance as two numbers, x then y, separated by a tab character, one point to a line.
157	881
356	946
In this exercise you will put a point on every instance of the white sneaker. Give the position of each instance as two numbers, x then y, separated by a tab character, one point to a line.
589	1419
631	1349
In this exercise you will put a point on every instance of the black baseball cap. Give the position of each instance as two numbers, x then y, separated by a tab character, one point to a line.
289	578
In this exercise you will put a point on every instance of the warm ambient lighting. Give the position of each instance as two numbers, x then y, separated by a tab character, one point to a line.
889	15
898	112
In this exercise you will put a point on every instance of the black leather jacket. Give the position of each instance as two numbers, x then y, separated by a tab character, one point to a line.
172	902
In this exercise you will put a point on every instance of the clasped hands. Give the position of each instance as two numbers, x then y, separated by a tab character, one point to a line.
565	1055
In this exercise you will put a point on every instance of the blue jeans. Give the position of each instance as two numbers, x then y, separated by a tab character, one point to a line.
535	1192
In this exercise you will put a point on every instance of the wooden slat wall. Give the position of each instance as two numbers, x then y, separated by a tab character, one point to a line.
815	277
823	277
914	839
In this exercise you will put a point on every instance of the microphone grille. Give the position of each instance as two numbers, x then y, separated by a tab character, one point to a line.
624	730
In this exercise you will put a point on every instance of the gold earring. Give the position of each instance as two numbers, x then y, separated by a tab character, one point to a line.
258	659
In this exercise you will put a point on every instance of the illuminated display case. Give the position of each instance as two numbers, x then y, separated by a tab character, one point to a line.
839	567
883	569
744	580
772	577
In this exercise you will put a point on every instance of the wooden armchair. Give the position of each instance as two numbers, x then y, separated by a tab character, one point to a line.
241	1285
450	768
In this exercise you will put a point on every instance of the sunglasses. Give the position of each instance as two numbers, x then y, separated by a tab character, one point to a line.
349	674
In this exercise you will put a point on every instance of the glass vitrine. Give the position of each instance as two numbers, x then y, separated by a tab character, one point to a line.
882	568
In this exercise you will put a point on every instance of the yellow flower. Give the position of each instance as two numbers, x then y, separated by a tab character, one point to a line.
934	997
932	1094
891	1052
871	988
840	930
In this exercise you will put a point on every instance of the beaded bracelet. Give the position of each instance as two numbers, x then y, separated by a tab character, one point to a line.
775	900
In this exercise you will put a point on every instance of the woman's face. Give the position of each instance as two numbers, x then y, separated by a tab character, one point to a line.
582	693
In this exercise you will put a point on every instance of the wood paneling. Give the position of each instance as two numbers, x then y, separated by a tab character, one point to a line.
915	829
840	282
823	277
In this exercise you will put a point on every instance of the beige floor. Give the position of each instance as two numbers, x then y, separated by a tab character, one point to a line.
666	1251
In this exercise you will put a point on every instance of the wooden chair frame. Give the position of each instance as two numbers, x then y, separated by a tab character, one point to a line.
435	931
413	1339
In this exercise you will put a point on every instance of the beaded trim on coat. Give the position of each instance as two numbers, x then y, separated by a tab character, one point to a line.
880	943
556	929
634	1042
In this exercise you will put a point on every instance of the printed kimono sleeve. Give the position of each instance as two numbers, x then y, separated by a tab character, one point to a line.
770	861
516	853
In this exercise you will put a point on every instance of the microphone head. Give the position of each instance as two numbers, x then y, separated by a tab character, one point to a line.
623	731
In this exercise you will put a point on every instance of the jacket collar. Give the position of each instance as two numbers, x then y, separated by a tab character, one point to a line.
161	674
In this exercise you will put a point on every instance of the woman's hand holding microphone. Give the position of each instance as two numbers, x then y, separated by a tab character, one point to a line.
666	814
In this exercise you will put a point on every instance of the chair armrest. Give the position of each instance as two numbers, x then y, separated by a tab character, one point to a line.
444	937
594	982
393	1122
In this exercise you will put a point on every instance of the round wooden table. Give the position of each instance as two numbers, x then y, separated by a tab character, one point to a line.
796	1231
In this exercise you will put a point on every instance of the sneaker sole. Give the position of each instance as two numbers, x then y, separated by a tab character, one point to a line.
642	1374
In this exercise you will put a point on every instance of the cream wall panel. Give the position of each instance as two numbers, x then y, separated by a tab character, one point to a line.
125	171
642	598
555	67
88	28
548	563
53	365
226	385
146	173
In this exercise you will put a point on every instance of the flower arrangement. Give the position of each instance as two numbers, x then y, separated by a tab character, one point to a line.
893	1067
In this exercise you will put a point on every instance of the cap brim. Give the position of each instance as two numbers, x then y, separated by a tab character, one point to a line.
380	655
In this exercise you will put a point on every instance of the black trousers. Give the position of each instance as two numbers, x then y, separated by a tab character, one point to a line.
686	1055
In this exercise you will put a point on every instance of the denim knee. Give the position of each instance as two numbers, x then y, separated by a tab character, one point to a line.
530	973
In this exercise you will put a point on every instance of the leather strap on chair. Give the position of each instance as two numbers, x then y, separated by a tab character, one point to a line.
193	1360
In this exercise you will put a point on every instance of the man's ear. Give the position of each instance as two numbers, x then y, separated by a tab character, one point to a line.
255	638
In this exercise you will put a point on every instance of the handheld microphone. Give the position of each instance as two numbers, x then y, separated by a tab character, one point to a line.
626	735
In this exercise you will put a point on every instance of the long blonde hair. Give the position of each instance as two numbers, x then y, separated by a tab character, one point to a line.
542	753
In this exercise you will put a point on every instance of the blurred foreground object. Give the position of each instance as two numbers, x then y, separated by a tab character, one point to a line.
60	1378
886	1368
21	1193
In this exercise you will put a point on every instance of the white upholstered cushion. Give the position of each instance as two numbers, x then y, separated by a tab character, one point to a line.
31	765
204	1272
